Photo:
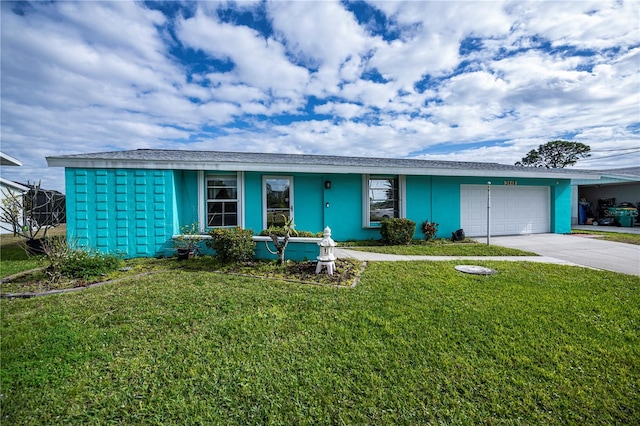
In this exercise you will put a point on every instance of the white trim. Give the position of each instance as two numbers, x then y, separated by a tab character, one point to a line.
202	215
240	189
310	168
402	196
256	238
365	201
7	160
264	197
317	240
239	197
13	185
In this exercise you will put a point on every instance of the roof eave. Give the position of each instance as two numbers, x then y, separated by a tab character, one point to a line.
621	177
13	185
306	168
7	160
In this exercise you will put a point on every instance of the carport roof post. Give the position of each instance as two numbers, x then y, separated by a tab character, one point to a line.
280	163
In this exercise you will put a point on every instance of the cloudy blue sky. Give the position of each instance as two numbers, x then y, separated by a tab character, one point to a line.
474	81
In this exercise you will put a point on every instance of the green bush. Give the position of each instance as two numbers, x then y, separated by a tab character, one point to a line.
67	261
397	231
85	265
232	244
429	229
280	232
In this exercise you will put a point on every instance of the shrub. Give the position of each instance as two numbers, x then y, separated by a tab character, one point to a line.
397	231
57	252
232	244
280	231
84	264
429	229
189	238
66	261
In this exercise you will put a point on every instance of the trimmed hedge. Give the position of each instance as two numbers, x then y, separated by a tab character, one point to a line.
397	231
232	244
280	232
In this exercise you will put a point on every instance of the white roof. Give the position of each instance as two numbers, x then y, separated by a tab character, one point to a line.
13	185
7	160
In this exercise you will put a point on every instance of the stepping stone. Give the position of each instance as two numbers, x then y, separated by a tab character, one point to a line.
476	270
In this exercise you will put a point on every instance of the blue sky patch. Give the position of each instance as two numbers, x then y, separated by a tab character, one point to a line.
397	79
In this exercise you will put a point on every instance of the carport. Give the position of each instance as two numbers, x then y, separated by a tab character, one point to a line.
615	188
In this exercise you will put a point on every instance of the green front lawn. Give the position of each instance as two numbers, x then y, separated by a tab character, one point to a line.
413	343
439	247
14	259
13	255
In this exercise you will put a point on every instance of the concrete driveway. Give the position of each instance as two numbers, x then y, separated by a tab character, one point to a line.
581	250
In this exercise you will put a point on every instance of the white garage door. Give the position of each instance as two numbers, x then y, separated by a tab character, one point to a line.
514	210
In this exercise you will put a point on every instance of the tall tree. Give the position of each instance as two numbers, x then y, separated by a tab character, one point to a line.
555	154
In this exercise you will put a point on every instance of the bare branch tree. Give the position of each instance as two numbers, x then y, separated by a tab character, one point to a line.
30	214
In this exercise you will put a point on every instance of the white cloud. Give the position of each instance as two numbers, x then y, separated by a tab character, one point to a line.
258	62
344	110
96	76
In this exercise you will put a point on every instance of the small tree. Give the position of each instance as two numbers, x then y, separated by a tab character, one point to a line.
555	154
10	212
23	212
280	242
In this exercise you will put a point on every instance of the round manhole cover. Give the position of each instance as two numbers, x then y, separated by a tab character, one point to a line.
476	270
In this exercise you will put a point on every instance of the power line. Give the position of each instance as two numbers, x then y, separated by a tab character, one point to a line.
616	149
611	156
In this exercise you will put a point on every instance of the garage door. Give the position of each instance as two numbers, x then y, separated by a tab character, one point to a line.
514	210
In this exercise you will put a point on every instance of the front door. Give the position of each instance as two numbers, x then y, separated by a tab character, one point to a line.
278	200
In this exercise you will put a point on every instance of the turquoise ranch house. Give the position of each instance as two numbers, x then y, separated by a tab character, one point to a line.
134	202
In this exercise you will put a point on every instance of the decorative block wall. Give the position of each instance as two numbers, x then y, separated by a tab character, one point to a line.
122	211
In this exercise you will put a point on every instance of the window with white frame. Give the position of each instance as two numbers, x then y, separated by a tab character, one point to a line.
277	200
383	198
222	200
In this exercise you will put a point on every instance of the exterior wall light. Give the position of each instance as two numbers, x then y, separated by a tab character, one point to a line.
327	184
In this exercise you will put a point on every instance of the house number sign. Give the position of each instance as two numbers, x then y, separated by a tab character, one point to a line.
510	182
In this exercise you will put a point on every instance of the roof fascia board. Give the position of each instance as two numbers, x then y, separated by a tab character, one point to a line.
621	177
7	160
306	168
14	185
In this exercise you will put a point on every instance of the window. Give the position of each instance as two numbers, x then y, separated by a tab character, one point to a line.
222	200
383	198
278	200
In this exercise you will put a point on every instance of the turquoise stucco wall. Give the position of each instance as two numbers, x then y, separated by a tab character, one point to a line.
135	212
307	196
418	201
295	251
560	206
253	201
186	198
127	212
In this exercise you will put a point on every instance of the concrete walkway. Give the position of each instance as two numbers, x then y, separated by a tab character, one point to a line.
553	248
368	256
